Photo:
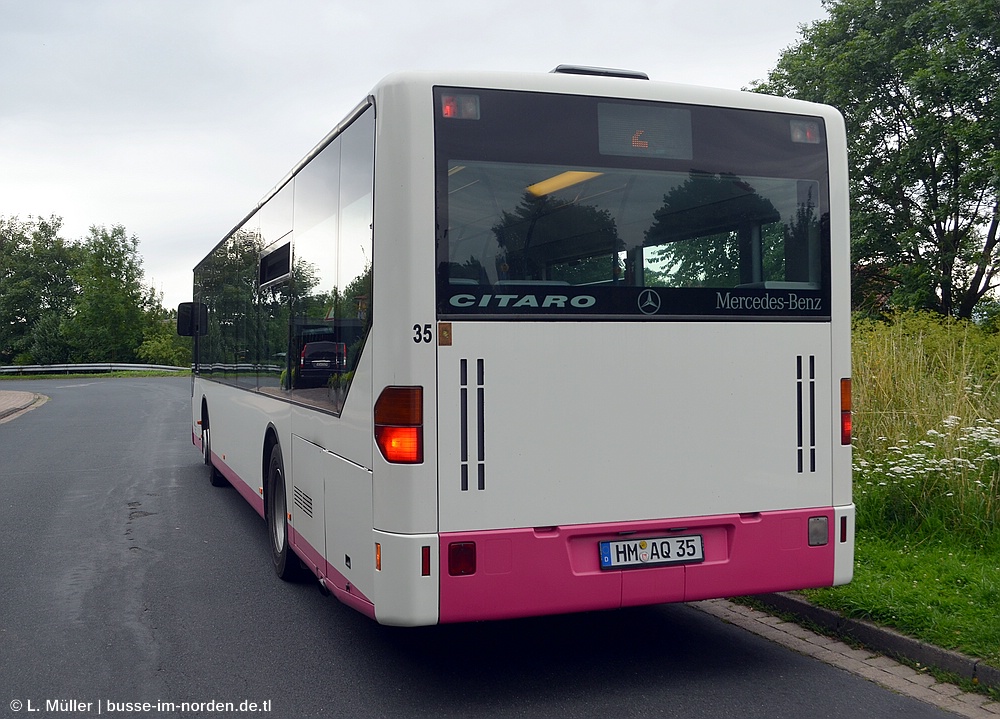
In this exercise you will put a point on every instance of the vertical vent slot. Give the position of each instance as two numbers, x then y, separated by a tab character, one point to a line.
480	414
805	412
464	421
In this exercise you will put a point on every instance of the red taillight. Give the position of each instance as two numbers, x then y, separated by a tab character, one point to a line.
425	561
302	358
399	420
845	411
400	444
461	558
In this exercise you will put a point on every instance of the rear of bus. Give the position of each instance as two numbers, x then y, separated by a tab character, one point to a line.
643	346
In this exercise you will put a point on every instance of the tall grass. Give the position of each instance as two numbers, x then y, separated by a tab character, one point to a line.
927	429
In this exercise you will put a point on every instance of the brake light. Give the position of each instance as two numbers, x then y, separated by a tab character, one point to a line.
845	411
399	420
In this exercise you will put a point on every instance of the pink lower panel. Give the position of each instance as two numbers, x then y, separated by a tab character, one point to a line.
255	500
553	570
329	577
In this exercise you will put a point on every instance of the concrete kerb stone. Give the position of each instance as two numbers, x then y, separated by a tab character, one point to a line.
872	663
884	640
14	402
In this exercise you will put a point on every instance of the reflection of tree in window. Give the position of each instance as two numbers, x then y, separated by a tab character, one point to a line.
352	310
545	238
305	278
228	284
715	231
800	238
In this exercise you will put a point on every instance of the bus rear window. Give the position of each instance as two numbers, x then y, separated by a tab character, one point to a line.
730	225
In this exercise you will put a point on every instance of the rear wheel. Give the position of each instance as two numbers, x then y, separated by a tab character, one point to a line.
286	563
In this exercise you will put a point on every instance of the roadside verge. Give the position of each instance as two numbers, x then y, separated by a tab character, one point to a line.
883	640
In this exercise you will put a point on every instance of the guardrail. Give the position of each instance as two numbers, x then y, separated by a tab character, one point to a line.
87	368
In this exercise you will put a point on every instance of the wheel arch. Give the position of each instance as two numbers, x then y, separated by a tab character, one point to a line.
270	440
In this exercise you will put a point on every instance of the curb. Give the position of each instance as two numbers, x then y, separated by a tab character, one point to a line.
884	640
18	405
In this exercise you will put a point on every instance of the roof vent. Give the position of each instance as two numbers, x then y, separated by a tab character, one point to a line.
600	71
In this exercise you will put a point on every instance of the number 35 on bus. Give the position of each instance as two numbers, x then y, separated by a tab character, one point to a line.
505	345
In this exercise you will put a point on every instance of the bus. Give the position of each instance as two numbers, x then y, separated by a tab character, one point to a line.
592	348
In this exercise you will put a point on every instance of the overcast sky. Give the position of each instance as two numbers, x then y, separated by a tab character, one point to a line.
174	117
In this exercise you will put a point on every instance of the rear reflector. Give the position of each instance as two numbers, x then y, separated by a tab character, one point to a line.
425	561
461	559
399	419
845	411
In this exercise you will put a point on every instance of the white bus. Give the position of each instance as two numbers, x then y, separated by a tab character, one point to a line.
575	341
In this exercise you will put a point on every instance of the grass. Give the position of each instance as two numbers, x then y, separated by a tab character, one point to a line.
926	483
940	592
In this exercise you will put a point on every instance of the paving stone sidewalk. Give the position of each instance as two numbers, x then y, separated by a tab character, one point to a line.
12	402
867	663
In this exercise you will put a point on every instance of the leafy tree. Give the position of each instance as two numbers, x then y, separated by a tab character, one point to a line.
917	83
160	342
110	312
49	344
37	270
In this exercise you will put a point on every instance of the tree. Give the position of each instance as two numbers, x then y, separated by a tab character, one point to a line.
110	312
37	270
49	344
917	83
161	343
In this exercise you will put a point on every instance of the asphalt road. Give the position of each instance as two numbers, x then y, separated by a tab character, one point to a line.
126	577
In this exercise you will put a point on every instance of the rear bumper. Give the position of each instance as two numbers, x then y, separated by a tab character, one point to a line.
553	570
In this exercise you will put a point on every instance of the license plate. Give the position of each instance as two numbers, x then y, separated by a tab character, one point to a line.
652	551
321	363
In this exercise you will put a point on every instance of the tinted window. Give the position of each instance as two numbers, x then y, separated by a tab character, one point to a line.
297	336
332	273
559	205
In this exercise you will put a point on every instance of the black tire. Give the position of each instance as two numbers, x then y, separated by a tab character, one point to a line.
286	564
214	475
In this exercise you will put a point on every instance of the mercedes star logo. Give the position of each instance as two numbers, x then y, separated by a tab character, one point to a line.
649	302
